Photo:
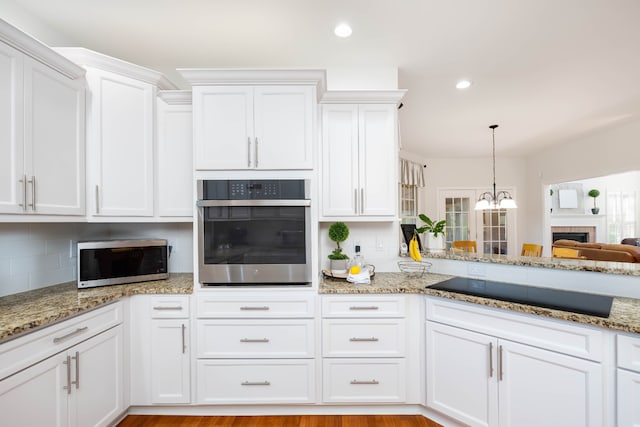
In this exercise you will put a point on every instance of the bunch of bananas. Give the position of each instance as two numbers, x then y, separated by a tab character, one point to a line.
414	249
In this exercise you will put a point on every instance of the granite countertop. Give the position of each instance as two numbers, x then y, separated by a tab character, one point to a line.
26	311
625	312
623	268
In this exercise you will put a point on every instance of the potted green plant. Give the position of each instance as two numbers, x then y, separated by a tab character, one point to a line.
594	193
338	232
435	230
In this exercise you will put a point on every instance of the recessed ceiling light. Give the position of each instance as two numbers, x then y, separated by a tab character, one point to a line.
343	30
463	84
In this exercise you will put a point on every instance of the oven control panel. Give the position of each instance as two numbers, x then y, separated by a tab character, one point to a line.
275	189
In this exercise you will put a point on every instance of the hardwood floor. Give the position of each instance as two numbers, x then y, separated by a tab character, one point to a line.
279	421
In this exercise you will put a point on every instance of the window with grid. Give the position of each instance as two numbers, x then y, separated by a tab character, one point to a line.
621	216
494	231
457	211
408	204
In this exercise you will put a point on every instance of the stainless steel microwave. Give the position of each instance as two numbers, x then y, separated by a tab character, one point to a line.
114	262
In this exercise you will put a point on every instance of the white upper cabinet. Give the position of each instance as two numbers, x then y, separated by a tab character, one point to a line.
11	130
359	158
254	119
54	140
120	145
261	127
120	135
41	129
174	172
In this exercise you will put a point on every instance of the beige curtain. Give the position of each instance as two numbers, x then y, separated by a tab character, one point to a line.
411	173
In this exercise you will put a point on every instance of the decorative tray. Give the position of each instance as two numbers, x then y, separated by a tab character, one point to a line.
343	276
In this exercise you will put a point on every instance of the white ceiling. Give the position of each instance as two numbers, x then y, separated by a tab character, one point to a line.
544	70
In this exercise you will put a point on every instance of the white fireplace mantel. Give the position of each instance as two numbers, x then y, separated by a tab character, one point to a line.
597	221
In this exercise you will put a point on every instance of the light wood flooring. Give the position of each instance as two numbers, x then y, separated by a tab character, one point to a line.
279	421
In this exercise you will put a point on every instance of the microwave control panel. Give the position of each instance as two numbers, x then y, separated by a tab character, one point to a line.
254	189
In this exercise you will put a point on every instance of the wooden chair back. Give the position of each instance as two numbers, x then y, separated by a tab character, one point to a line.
531	249
566	253
464	245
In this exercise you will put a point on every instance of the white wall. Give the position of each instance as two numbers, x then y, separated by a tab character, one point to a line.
33	256
22	19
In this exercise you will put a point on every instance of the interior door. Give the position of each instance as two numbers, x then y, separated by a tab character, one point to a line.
456	206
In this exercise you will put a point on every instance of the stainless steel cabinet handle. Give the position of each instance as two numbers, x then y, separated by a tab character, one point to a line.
500	363
355	200
24	192
167	307
97	199
363	339
254	340
77	359
68	386
255	383
490	359
365	382
78	331
248	152
33	192
184	345
254	308
362	200
256	150
363	307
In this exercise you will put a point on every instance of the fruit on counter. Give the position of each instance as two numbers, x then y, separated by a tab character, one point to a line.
354	270
414	249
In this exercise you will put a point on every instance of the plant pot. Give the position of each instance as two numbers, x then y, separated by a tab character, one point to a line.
433	244
338	266
595	211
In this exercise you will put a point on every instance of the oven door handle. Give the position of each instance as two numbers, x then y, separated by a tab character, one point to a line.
250	203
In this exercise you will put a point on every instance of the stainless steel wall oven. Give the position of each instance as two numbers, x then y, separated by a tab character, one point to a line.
254	232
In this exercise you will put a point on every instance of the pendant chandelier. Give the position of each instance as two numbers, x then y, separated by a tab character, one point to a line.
500	200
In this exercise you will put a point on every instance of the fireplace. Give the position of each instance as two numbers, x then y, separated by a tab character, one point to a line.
579	234
570	235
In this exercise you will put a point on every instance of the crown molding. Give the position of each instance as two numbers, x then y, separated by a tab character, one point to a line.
363	96
89	58
38	51
243	76
175	97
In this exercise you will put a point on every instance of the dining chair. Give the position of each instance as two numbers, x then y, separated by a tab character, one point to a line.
464	245
566	253
531	249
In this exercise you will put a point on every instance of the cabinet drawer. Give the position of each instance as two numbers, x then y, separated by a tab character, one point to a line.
363	338
259	381
551	334
33	347
628	352
169	306
231	307
363	306
363	380
268	338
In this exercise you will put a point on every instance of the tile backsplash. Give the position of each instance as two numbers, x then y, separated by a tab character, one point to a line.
38	255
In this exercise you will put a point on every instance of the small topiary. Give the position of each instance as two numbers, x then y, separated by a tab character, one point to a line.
338	232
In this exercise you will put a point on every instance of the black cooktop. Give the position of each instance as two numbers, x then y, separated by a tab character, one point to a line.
575	302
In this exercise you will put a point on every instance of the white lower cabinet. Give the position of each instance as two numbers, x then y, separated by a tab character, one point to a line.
628	380
363	349
254	349
483	379
160	364
82	386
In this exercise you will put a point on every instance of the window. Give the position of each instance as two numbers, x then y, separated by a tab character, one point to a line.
621	216
408	204
494	232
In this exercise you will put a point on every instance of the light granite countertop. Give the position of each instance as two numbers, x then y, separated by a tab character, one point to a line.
625	312
623	268
27	311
